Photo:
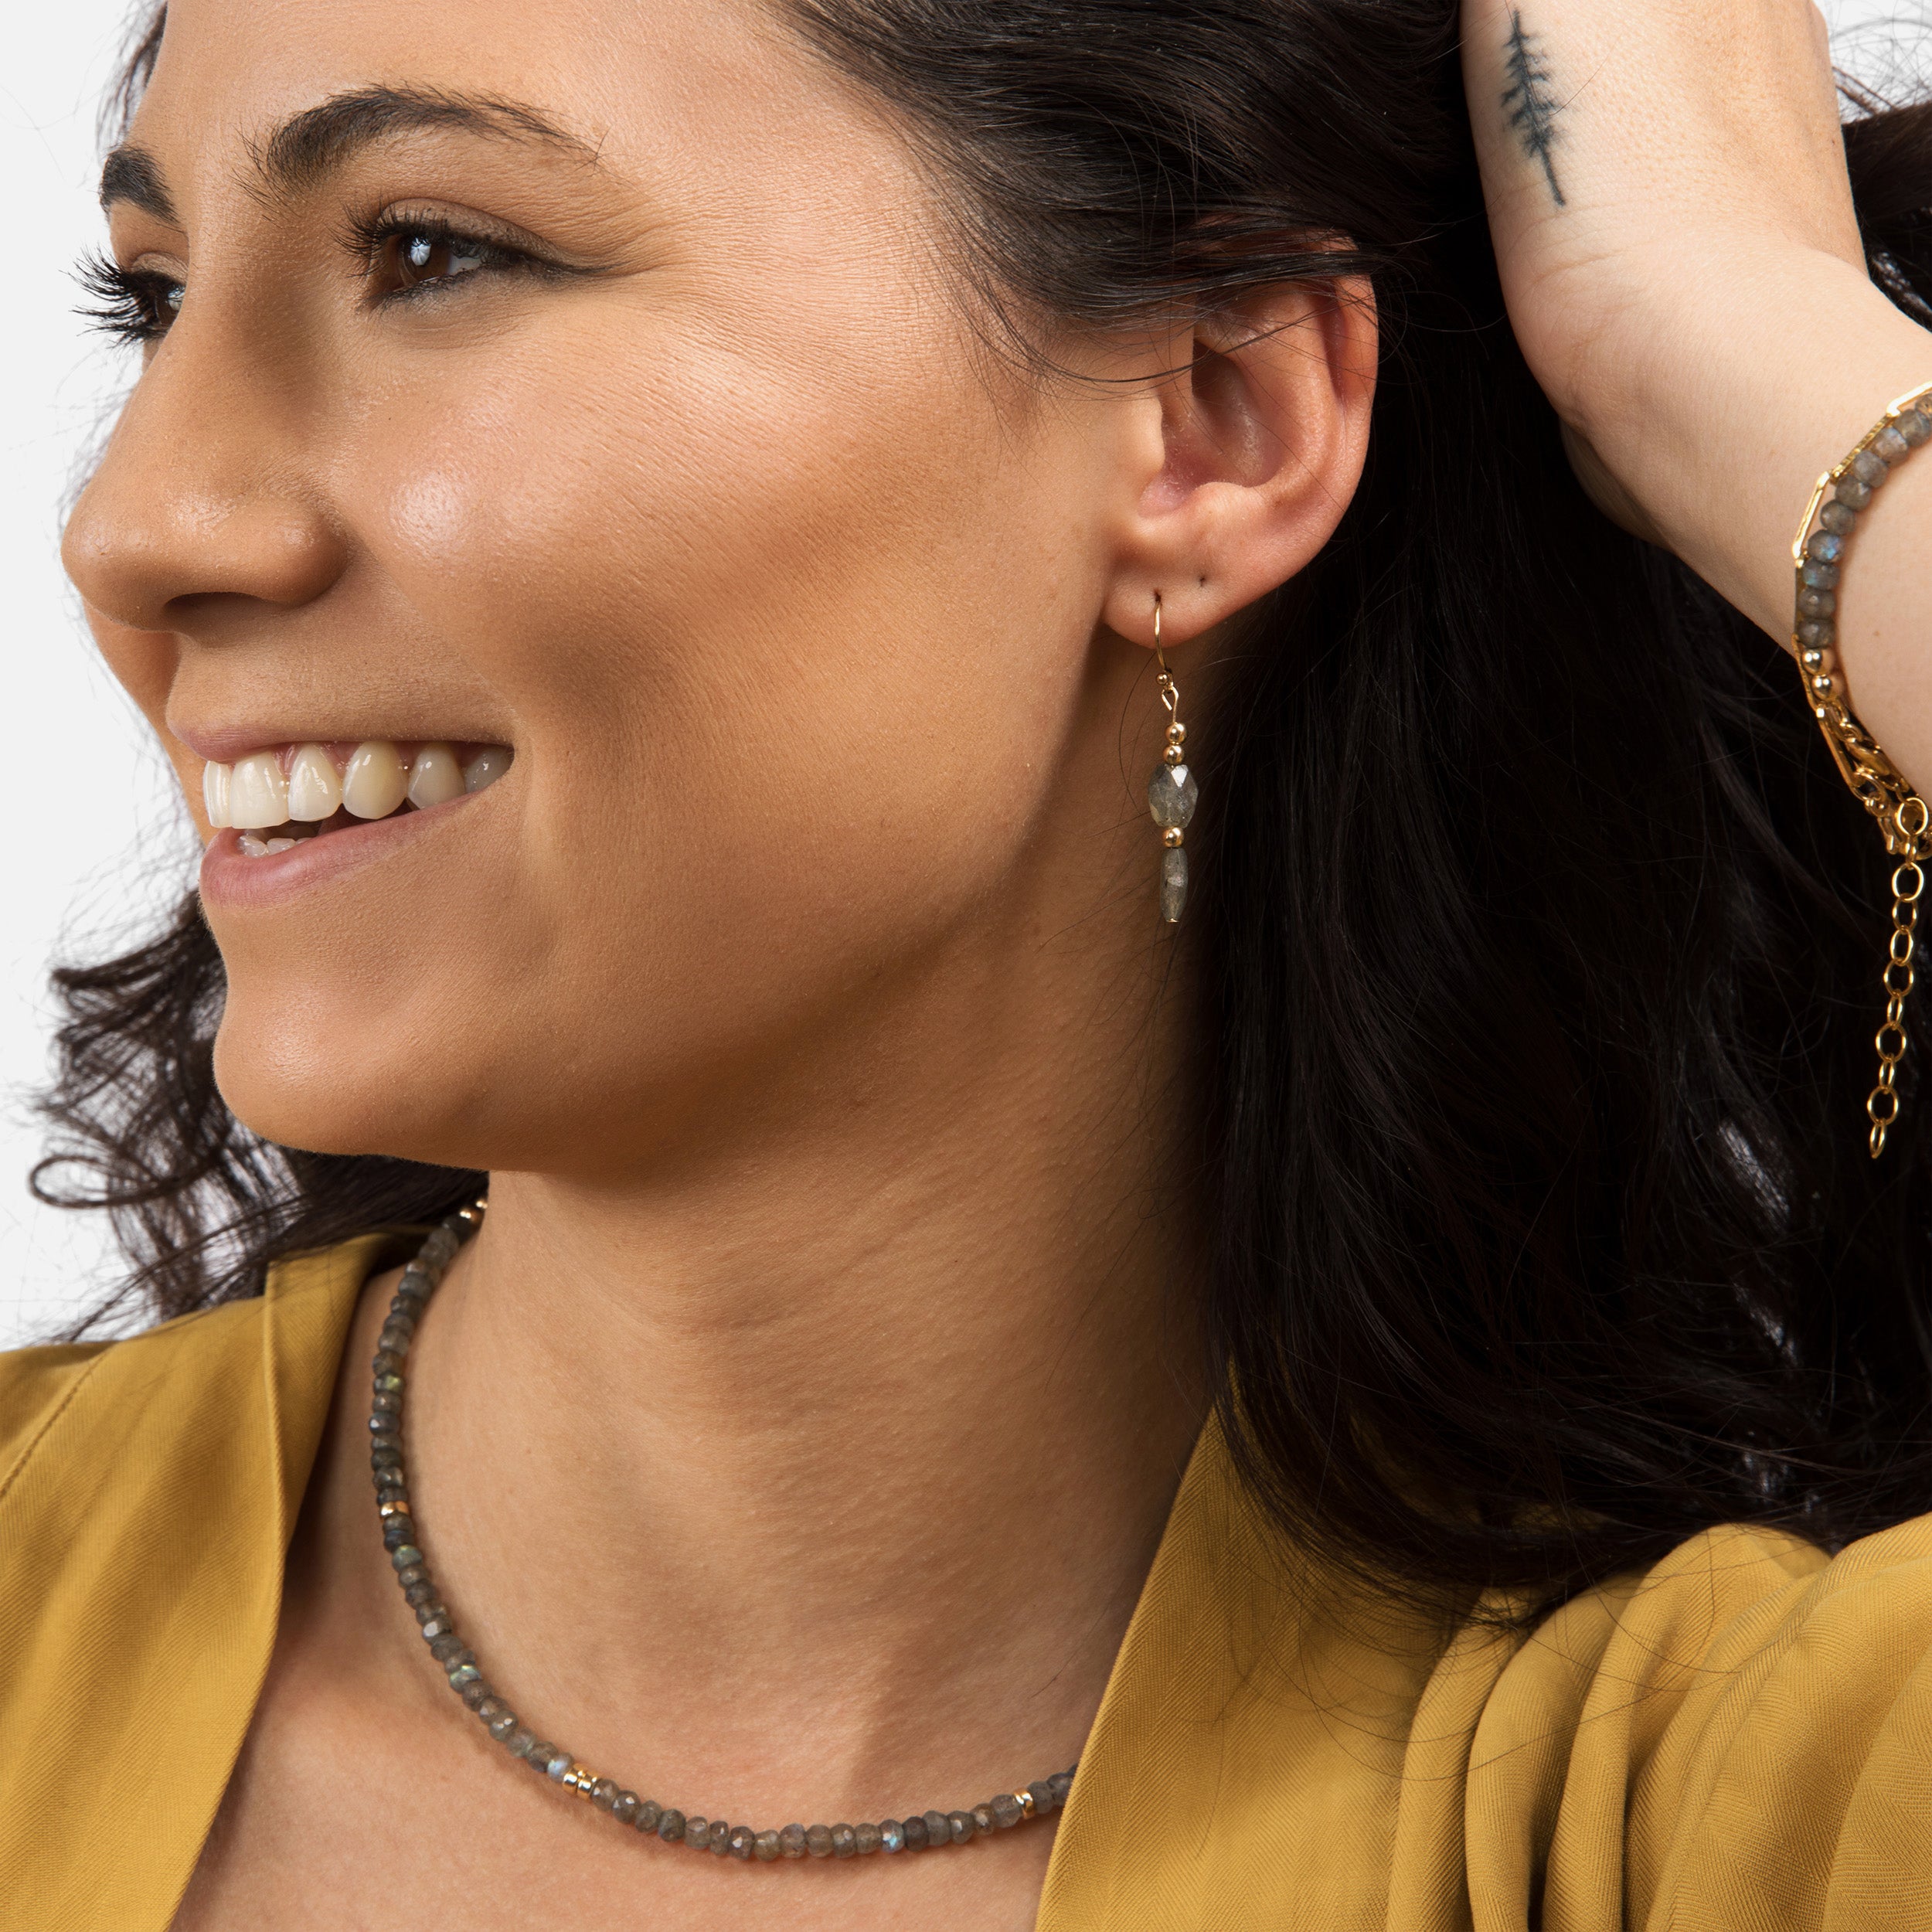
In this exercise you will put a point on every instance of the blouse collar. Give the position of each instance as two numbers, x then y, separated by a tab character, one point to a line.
1253	1722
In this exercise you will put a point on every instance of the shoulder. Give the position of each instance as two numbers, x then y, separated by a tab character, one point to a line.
87	1430
35	1384
80	1424
1741	1735
38	1384
147	1488
110	1453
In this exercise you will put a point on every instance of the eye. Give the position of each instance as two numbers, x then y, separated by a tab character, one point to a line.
405	257
132	305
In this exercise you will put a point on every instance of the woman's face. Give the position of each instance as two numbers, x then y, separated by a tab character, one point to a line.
581	378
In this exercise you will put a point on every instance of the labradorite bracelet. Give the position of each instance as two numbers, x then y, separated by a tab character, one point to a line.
926	1831
1875	781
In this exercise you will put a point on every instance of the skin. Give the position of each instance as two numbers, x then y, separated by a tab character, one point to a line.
798	1432
1698	309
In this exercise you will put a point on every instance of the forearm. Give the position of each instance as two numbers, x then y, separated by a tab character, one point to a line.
1673	225
1721	451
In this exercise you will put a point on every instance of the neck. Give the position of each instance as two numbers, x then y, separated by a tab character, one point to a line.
822	1464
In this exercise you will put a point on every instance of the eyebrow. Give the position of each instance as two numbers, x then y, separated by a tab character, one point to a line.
133	175
310	145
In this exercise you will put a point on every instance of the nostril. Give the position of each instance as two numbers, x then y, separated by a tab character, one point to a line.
192	523
197	569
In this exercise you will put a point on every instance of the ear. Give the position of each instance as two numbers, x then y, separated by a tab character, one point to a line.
1248	453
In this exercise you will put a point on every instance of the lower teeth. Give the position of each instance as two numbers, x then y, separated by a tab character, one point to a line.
256	845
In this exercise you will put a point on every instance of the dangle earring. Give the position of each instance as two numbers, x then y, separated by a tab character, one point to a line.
1172	793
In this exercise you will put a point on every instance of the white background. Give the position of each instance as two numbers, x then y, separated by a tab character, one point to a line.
96	843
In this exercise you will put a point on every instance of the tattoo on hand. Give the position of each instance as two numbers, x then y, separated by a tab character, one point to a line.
1529	102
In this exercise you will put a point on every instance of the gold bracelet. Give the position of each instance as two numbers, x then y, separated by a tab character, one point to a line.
1875	782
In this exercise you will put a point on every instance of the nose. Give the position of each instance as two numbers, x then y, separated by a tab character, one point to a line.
199	516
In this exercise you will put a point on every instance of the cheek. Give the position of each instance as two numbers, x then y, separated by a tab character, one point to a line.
744	607
436	514
143	662
747	614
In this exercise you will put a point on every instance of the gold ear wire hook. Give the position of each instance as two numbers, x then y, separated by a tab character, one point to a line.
1170	692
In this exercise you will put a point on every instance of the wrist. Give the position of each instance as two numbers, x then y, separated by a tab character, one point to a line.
1716	411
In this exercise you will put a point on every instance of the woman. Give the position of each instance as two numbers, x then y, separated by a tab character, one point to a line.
664	543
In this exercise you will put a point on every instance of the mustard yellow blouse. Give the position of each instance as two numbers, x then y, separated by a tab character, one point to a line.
1740	1739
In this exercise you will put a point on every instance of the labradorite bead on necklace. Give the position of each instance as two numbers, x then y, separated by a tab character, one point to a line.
923	1832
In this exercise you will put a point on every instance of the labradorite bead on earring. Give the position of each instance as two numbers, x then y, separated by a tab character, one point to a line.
1171	796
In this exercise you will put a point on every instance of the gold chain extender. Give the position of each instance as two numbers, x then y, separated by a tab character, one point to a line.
1875	781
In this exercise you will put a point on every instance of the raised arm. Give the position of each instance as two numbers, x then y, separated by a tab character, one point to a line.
1667	185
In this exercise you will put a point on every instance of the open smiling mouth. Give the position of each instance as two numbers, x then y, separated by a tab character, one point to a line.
275	798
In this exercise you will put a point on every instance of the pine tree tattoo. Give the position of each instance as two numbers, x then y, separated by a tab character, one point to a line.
1528	101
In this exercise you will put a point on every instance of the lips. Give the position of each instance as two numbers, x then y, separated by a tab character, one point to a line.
277	797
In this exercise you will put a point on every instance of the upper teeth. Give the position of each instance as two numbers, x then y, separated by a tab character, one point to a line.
271	788
314	786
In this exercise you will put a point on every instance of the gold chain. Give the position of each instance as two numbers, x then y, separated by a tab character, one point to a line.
1874	780
1908	881
1903	821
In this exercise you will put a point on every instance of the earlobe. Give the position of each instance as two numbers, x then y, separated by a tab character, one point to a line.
1264	430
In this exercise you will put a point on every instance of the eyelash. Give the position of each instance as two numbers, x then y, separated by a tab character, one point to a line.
126	305
133	305
371	241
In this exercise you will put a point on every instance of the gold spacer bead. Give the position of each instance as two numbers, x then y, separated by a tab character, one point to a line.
1174	755
1177	733
1172	837
1026	1805
579	1780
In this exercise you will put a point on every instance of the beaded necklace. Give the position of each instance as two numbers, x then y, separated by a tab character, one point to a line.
929	1830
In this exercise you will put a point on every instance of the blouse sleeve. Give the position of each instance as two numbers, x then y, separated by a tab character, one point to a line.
1741	1739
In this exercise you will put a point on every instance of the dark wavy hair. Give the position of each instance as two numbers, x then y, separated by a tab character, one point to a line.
1539	941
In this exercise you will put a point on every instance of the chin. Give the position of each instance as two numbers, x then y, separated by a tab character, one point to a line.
337	1088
